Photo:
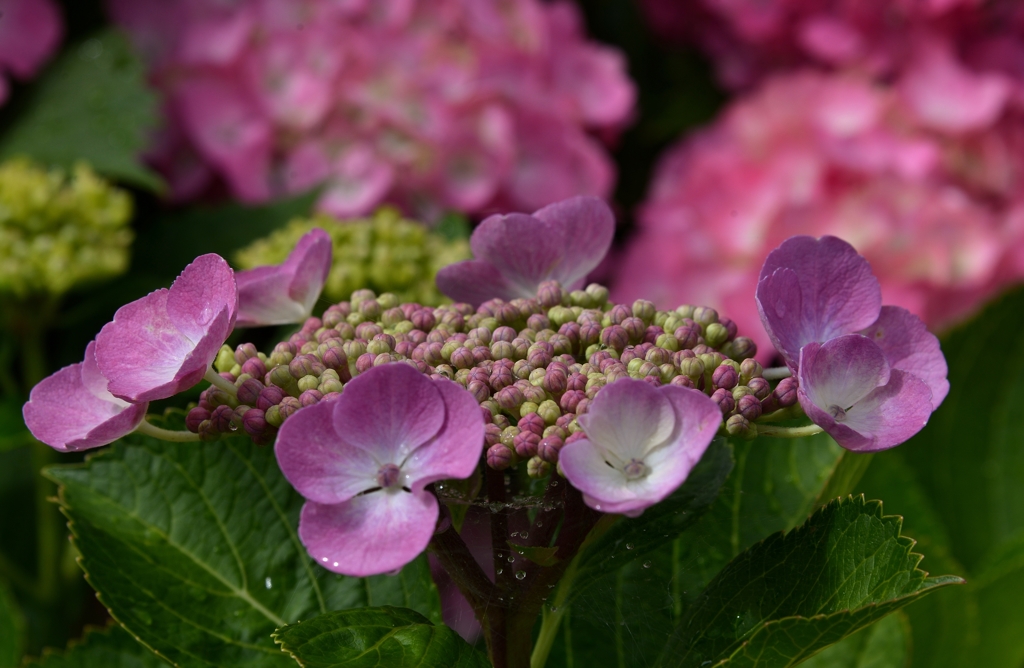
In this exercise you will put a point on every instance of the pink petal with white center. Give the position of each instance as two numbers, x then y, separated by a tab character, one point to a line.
841	372
318	462
389	412
71	409
455	451
910	347
286	293
370	534
588	227
813	290
163	343
629	419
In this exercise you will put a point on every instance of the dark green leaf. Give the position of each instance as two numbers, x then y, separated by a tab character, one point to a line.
453	226
384	637
12	630
108	648
193	548
884	644
13	433
795	593
91	104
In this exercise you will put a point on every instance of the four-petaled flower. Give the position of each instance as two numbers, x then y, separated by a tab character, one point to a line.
285	293
363	462
641	443
517	252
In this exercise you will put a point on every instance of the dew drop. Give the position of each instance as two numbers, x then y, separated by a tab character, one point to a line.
325	559
629	546
335	564
516	533
268	583
525	535
554	483
500	571
511	558
647	564
554	608
521	575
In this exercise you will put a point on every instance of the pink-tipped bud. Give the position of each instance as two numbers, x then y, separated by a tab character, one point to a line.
368	330
742	348
249	391
492	434
462	358
255	367
688	337
681	381
749	407
501	377
509	398
195	417
288	406
365	362
548	448
619	313
652	333
526	443
499	457
310	397
551	294
635	329
739	426
423	320
268	396
786	391
254	422
480	391
221	418
725	377
760	387
590	333
725	401
532	423
306	365
503	333
615	337
245	352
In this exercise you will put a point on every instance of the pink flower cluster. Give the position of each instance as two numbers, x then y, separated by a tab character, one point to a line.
430	105
923	180
30	31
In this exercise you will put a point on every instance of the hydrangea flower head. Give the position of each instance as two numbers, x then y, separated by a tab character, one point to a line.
364	460
641	443
164	342
514	253
72	410
287	292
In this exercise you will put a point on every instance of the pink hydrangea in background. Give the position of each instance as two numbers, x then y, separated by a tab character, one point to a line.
430	105
933	204
30	31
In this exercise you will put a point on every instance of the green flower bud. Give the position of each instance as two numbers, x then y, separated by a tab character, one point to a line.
667	372
750	368
273	416
644	310
537	468
715	334
527	407
740	427
685	311
668	342
704	316
388	300
550	411
308	383
560	315
633	367
598	293
225	359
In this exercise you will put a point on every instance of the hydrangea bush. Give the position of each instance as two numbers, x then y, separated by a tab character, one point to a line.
580	428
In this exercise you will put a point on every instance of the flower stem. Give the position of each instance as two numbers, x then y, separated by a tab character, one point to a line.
215	379
776	373
145	427
788	432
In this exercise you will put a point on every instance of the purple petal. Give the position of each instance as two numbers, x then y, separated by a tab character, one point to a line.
474	282
629	418
317	461
836	375
910	347
589	227
389	411
204	289
604	488
285	293
71	410
886	417
455	451
524	249
813	290
370	534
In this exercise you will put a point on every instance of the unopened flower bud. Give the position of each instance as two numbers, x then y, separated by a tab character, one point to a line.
306	365
658	356
269	396
480	391
527	407
218	397
249	391
704	316
740	427
254	422
555	382
509	398
526	443
254	367
786	392
534	394
750	368
273	416
725	377
365	362
499	457
353	349
533	423
330	385
715	334
692	368
724	399
688	337
377	347
310	397
207	432
615	337
221	418
196	416
538	322
461	358
749	407
245	352
681	381
288	406
760	387
308	383
225	359
635	329
742	348
548	448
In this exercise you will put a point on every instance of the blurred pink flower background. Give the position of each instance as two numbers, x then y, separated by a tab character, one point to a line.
446	104
30	32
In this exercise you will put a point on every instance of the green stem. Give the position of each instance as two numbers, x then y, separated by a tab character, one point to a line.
215	379
788	432
776	373
145	427
789	413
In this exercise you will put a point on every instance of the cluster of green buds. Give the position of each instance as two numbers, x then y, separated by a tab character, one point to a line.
59	229
385	252
534	365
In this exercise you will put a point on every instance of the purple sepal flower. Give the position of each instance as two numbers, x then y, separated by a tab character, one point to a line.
641	443
849	389
517	252
812	290
72	409
163	343
909	346
363	462
285	293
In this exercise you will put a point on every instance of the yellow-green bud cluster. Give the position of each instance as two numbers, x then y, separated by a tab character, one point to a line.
59	229
385	253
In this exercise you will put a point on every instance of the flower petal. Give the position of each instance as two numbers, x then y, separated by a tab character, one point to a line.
525	250
910	347
455	451
205	288
474	282
589	227
838	294
604	487
628	419
886	417
842	371
310	264
263	298
370	534
389	411
317	461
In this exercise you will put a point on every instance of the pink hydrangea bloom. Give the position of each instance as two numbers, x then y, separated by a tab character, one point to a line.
641	443
431	105
514	253
72	410
285	293
364	460
938	215
164	343
30	31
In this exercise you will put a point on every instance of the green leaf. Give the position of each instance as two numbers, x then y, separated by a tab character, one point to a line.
453	226
193	548
110	648
795	593
884	644
384	637
91	104
12	630
13	433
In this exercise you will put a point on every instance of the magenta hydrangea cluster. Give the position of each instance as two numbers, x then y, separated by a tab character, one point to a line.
30	32
432	105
